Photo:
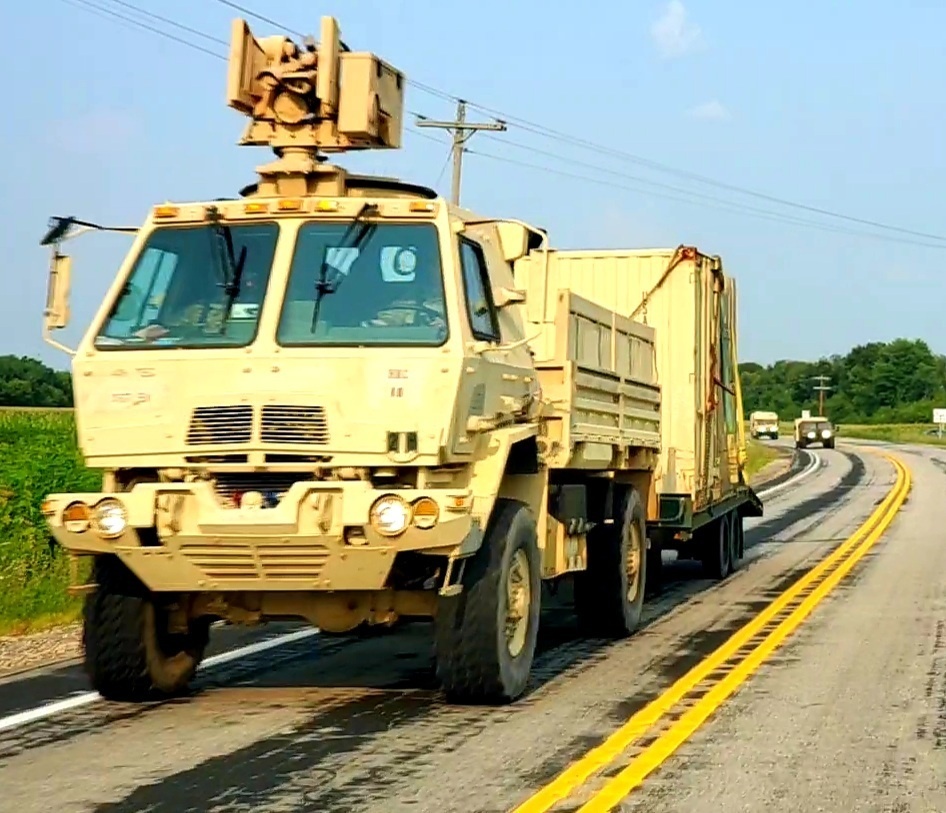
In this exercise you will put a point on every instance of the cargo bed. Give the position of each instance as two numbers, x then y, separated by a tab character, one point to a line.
686	297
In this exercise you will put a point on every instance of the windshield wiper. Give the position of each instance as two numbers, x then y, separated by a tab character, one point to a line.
358	230
230	266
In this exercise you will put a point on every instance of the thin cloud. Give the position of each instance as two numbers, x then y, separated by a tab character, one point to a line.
673	33
100	131
710	111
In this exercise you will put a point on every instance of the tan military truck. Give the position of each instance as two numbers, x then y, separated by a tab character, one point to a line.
763	425
702	492
328	399
814	429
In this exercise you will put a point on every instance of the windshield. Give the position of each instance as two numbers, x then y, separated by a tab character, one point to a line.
181	288
386	291
812	426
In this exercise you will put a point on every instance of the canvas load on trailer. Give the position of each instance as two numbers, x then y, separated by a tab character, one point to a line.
688	299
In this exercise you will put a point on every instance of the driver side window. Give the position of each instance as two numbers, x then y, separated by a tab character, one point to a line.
479	299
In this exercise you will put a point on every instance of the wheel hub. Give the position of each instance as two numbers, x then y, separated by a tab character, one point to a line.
518	601
633	567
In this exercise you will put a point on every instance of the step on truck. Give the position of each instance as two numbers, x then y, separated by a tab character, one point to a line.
328	399
702	492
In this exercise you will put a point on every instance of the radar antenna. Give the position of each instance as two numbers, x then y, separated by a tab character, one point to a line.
307	102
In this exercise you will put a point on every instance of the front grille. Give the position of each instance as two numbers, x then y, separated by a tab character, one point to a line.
294	424
239	562
272	485
215	425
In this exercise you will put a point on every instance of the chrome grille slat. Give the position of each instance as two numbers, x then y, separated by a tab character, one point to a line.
287	423
216	425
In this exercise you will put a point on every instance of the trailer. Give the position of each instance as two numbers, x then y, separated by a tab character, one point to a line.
702	490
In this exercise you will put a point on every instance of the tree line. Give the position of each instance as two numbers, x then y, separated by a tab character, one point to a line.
881	382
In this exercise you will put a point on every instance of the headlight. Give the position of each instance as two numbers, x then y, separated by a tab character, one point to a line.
826	433
390	515
109	518
811	435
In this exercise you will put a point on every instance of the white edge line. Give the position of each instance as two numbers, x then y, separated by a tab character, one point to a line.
58	706
50	709
810	469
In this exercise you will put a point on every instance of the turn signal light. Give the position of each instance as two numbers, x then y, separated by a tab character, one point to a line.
426	513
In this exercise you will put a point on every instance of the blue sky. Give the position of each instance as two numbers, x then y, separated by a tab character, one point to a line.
813	103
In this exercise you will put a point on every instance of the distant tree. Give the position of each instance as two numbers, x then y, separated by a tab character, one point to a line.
879	382
27	382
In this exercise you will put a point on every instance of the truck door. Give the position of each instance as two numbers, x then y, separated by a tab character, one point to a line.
496	380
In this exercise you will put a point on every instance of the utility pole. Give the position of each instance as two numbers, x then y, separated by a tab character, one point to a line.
821	389
462	131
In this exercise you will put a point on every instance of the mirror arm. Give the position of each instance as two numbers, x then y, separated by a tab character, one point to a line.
53	343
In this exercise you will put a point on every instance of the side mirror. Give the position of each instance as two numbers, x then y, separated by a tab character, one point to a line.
56	315
503	297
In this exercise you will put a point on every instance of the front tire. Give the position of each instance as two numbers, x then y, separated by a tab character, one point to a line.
609	593
129	655
485	638
716	549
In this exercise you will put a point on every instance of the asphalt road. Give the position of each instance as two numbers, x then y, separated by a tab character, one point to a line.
850	713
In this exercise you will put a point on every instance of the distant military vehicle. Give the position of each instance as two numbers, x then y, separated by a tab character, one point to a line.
763	425
812	430
343	399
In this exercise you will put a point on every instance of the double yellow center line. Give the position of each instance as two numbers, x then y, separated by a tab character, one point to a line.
669	720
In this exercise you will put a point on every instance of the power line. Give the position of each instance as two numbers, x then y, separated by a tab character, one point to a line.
548	132
712	201
125	18
176	24
551	133
737	208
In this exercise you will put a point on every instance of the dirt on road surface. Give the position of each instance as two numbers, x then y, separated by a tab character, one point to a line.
845	715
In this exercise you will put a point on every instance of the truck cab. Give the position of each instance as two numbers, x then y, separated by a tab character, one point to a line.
763	425
814	430
327	400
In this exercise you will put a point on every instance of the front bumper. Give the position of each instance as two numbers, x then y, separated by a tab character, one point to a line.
180	538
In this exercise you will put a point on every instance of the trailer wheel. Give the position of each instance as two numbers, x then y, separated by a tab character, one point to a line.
609	593
716	549
485	637
655	569
129	655
736	541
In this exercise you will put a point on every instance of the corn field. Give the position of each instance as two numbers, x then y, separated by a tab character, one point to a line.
38	455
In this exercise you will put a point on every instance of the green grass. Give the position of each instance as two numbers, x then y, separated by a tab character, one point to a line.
38	455
894	433
759	455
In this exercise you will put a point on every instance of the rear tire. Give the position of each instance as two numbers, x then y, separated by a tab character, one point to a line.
737	548
485	638
609	594
129	655
716	549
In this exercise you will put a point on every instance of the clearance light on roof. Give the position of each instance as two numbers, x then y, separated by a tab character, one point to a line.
255	208
421	206
167	211
327	206
290	204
